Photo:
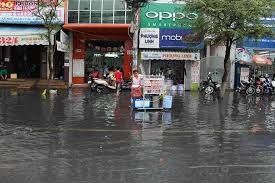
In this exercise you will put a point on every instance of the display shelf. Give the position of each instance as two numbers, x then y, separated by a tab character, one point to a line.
152	92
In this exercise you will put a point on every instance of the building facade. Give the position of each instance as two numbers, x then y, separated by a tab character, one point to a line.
168	46
22	40
99	37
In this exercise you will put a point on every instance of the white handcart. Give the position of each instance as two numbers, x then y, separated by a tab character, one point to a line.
153	95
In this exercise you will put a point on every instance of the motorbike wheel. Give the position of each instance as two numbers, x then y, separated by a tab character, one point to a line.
101	89
250	90
209	90
93	87
259	91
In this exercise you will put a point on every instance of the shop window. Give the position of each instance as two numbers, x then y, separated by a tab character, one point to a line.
107	17
129	15
96	17
73	5
72	17
84	4
84	17
108	4
119	5
119	17
96	4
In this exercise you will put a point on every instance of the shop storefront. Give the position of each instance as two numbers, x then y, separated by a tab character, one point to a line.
99	34
22	40
256	57
97	46
167	45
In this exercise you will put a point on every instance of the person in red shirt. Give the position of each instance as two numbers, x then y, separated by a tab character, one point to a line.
118	76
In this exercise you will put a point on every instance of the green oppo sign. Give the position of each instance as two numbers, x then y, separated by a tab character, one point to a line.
165	15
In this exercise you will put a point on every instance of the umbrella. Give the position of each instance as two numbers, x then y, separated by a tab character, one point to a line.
261	60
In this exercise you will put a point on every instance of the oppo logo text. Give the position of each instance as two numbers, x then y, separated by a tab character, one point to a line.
168	15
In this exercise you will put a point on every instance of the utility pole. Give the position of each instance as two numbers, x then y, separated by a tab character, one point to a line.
135	6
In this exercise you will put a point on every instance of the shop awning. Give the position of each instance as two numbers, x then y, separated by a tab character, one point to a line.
169	55
100	31
15	35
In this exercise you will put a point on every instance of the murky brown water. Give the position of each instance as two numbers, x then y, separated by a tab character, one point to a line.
77	137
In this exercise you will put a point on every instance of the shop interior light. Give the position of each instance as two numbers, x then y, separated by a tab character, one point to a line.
97	55
111	55
263	52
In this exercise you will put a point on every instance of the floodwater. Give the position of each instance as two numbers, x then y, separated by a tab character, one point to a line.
77	137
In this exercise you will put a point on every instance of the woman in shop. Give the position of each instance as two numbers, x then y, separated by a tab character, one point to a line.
136	90
111	76
3	71
95	73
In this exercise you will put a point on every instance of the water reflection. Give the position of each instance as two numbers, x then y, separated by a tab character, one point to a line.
151	117
76	136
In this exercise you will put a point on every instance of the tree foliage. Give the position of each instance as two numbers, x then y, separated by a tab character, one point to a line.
46	11
135	4
230	20
226	21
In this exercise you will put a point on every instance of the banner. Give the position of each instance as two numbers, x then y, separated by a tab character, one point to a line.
151	55
243	56
166	15
22	40
169	38
195	72
62	47
78	68
265	42
149	38
22	12
179	38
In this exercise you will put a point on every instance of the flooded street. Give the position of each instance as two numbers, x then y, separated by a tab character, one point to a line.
78	137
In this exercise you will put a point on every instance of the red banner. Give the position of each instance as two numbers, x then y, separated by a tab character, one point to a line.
8	5
9	40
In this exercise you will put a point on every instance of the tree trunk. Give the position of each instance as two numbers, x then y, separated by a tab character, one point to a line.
226	65
50	62
50	55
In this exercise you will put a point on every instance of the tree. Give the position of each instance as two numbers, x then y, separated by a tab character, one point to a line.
227	21
46	11
135	4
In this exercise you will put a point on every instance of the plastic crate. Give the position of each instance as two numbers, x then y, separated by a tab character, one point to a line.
140	103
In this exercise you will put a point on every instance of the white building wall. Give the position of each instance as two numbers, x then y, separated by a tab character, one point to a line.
219	51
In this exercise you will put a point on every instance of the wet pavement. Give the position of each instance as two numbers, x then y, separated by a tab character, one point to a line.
78	137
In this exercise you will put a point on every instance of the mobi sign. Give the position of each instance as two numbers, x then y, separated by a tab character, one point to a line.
160	15
169	38
179	38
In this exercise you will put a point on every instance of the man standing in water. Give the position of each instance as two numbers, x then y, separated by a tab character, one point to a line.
118	77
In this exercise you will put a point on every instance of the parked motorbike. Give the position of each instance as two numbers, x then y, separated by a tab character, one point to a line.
259	87
273	84
101	86
247	87
209	86
126	85
267	85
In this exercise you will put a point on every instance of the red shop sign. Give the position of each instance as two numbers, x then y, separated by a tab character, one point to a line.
9	40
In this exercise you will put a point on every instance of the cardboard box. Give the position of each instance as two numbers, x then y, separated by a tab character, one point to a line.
13	75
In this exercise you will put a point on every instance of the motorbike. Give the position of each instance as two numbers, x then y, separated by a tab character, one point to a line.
247	87
273	84
126	85
267	86
101	85
259	87
209	86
